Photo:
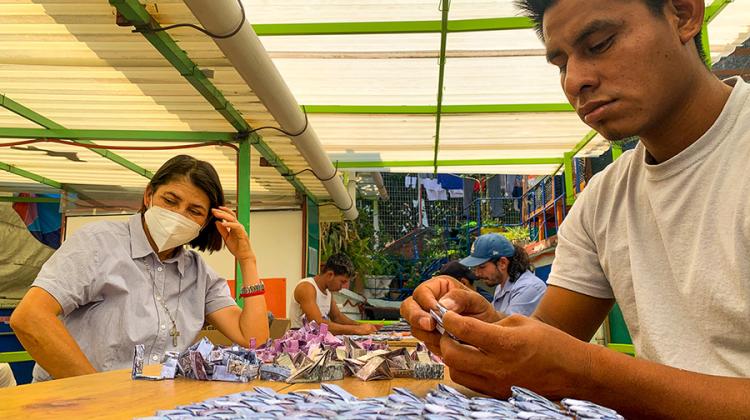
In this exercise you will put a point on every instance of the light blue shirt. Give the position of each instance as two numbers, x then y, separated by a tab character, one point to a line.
521	296
108	280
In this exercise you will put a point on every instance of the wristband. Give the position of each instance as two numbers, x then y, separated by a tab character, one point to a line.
254	290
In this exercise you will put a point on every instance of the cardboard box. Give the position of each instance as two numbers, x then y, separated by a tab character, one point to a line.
278	327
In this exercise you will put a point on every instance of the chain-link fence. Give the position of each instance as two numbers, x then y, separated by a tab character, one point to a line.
408	209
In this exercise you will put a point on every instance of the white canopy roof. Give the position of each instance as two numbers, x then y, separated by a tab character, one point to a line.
68	61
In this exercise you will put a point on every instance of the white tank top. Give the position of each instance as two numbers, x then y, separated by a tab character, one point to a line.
322	299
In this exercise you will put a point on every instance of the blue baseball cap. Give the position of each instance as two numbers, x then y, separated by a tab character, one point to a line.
490	246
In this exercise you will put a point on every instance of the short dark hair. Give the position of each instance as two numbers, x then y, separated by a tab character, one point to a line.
457	270
534	9
340	264
518	263
203	175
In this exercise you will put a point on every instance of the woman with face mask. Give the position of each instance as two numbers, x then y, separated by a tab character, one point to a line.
113	285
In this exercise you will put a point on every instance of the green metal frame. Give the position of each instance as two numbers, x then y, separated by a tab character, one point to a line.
430	109
616	151
396	27
313	235
570	196
243	205
446	5
117	135
713	9
45	122
30	175
9	199
447	162
15	356
139	17
622	348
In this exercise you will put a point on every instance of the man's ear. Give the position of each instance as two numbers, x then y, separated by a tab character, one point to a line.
689	15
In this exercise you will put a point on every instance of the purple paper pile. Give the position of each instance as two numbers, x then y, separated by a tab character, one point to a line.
310	354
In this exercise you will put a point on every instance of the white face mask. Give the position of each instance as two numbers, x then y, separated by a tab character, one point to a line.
169	229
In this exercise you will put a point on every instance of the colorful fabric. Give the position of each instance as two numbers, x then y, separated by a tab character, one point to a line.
42	219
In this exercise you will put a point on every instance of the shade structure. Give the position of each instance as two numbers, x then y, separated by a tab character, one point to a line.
371	94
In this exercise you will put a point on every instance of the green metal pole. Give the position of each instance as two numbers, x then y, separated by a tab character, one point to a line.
45	122
712	10
441	77
139	17
556	170
448	162
584	141
117	135
616	151
392	27
10	199
243	203
430	109
706	45
570	196
30	175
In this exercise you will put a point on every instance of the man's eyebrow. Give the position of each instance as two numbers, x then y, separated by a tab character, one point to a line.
591	28
594	27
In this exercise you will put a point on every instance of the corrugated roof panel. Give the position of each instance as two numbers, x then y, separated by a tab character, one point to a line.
69	61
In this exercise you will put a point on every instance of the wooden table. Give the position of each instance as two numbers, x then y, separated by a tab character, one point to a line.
114	395
404	342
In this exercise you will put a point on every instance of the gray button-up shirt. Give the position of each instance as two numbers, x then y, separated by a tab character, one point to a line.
109	280
521	296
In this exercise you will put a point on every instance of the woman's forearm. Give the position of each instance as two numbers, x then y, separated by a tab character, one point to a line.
50	344
254	318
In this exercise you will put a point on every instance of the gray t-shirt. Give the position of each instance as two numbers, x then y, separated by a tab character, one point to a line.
671	243
104	277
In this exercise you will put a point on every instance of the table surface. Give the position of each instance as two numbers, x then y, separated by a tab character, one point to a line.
115	395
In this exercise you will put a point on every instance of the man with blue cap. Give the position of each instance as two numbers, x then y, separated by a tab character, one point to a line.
505	266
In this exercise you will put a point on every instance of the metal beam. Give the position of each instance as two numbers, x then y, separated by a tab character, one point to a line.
13	199
706	45
117	135
713	9
616	151
463	162
396	27
30	175
557	169
139	17
243	206
45	122
570	196
584	141
431	109
446	5
15	356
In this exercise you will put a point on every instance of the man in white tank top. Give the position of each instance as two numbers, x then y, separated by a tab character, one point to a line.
313	298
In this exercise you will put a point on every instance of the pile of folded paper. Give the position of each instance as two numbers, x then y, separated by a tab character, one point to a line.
331	401
310	354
